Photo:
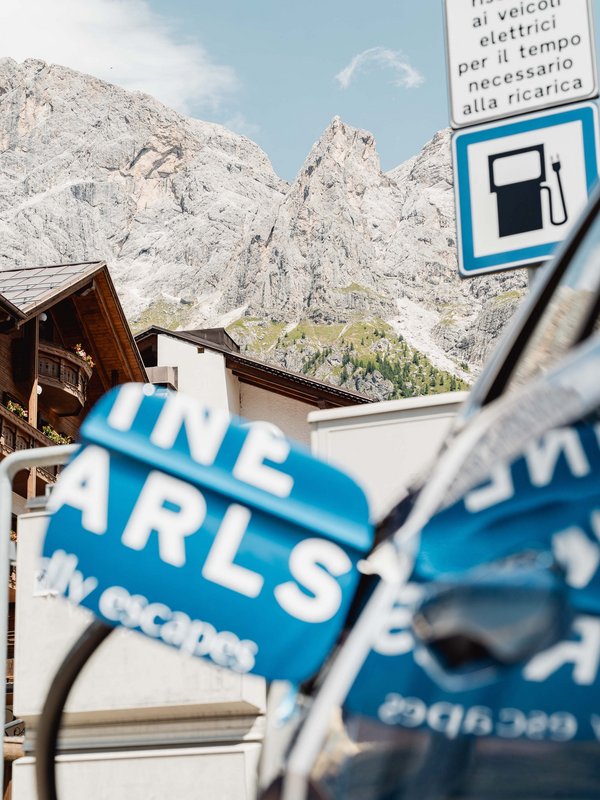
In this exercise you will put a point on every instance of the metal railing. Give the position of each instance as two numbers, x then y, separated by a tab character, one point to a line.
64	370
17	435
13	463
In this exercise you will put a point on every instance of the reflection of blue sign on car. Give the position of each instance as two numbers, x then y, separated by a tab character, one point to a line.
222	539
544	506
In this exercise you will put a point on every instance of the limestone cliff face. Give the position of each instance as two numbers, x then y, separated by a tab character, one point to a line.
198	229
322	257
89	170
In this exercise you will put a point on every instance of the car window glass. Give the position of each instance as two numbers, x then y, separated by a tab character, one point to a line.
569	393
365	760
561	323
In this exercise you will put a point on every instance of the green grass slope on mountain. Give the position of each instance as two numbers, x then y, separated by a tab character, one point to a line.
366	355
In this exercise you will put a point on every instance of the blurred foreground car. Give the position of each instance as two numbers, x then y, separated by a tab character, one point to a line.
469	662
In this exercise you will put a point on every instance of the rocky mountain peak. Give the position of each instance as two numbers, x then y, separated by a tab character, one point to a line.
341	165
432	167
343	147
88	169
327	223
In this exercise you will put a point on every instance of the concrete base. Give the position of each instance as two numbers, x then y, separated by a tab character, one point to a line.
226	773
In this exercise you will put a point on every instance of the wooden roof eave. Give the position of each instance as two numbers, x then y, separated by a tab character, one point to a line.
290	385
14	315
259	373
113	311
110	304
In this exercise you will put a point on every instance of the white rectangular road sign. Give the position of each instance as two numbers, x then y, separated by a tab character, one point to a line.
520	184
509	57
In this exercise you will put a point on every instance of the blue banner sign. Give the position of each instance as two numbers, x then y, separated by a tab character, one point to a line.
547	502
552	698
218	537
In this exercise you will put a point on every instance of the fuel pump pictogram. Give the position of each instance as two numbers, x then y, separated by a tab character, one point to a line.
517	178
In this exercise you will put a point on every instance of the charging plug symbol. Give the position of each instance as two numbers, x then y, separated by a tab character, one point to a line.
556	166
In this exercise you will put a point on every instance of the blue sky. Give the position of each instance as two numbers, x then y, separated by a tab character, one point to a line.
286	56
266	68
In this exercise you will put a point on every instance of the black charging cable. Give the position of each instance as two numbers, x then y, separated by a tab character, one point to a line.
556	166
49	725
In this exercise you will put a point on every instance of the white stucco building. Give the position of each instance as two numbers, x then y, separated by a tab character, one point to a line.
208	365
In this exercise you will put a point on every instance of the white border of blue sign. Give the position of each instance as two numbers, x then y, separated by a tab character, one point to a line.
468	263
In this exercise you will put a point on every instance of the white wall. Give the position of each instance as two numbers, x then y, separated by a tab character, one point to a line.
233	388
289	415
201	375
216	773
384	446
205	377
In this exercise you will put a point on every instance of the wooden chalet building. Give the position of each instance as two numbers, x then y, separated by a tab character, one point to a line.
64	341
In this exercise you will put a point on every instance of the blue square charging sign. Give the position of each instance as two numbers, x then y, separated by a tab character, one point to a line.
520	185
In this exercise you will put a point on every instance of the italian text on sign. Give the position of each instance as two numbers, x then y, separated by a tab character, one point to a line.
508	57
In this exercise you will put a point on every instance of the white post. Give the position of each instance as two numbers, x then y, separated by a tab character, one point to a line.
9	466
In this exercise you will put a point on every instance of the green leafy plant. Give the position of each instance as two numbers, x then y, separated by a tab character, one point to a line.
55	436
16	409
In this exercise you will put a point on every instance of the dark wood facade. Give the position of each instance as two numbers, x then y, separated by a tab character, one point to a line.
41	371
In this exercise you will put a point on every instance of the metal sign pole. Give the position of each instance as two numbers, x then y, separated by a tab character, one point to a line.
9	466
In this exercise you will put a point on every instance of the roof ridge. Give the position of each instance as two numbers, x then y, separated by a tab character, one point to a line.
292	375
53	266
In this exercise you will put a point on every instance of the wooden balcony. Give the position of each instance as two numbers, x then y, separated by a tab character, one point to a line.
17	434
64	378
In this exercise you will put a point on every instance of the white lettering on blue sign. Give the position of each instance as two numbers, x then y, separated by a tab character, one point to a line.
577	555
126	406
194	637
172	525
454	719
219	566
395	637
84	486
264	442
62	576
174	510
541	458
499	488
157	620
205	430
584	655
306	562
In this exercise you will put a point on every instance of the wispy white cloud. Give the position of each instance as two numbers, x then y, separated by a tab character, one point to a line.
237	122
404	74
121	41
